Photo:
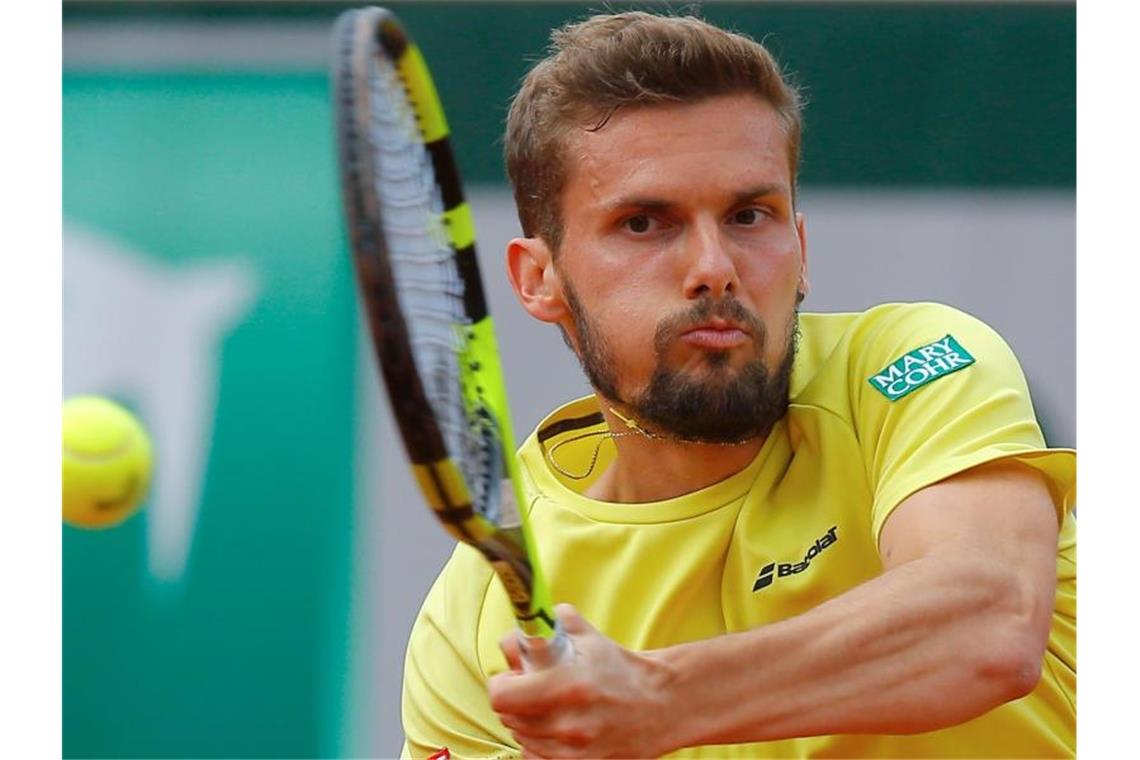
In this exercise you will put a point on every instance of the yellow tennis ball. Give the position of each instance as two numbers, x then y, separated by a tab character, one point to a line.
106	462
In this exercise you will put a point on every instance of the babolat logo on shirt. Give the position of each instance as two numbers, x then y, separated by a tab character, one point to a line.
921	366
784	569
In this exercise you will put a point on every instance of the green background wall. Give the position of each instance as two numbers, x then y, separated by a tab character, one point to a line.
244	653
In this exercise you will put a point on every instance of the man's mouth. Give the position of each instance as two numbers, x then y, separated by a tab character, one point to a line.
716	335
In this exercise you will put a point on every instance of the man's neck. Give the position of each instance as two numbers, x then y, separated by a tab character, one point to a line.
653	469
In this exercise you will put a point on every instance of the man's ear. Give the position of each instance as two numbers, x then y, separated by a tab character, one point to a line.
530	267
801	231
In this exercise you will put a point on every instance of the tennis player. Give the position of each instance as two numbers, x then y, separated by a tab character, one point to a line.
782	534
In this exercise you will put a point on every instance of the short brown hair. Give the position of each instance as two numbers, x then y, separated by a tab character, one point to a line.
609	61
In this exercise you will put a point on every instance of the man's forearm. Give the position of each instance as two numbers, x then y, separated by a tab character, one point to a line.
928	644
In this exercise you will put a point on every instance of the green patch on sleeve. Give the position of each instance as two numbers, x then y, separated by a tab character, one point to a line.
923	365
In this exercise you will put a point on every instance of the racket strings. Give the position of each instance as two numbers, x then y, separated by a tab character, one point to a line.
427	278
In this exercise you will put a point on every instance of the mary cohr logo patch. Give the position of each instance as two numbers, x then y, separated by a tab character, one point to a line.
921	366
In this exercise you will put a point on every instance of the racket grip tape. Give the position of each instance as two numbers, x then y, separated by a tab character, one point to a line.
539	653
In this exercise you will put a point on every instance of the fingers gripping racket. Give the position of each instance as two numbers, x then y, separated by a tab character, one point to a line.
413	243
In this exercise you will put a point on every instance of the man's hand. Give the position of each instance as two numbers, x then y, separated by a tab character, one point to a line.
609	702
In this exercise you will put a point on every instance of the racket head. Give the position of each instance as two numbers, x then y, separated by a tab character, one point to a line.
413	246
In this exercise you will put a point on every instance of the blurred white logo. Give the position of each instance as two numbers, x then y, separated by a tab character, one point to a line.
151	333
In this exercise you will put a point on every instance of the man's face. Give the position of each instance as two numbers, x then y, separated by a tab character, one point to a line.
680	264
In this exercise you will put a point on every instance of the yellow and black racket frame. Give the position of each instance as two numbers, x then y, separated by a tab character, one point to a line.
360	36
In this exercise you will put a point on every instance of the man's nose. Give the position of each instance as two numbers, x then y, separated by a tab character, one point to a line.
710	268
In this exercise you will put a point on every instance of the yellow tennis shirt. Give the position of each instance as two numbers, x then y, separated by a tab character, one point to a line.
883	403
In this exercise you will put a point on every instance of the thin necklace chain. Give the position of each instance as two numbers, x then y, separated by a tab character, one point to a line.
634	429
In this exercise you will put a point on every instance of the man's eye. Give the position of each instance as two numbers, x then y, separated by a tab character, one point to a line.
639	224
747	216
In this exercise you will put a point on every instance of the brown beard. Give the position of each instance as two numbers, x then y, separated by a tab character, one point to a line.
726	407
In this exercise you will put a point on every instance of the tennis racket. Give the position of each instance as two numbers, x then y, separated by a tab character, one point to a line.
413	244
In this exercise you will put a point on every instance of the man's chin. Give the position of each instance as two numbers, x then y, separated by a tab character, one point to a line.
715	404
717	370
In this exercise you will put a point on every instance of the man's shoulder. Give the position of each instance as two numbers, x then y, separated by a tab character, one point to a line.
825	331
837	350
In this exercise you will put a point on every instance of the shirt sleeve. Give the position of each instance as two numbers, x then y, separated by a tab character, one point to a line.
445	702
935	392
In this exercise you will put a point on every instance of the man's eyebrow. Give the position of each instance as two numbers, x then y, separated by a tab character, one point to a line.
660	204
638	201
762	191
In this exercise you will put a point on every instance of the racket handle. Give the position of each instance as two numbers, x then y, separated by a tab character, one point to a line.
540	653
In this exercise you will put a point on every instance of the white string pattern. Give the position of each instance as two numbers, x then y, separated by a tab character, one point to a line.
423	265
